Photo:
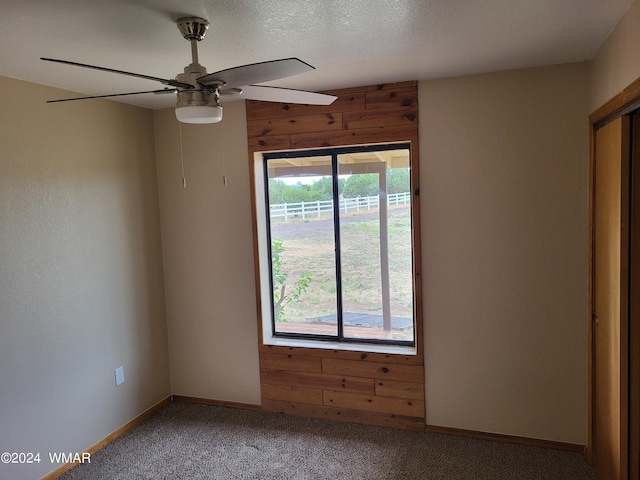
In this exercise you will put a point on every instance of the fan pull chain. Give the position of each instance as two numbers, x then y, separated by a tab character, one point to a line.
224	170
184	178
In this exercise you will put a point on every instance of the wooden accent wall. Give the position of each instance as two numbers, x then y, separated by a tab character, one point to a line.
371	388
364	115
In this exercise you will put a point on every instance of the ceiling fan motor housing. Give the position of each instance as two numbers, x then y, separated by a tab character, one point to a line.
199	98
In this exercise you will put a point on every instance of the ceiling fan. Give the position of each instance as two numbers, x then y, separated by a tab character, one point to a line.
199	92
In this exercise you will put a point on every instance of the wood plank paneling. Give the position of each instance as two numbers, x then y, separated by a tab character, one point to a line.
359	136
269	142
393	388
299	124
318	380
291	363
311	396
372	388
345	415
373	403
389	371
404	97
380	118
344	354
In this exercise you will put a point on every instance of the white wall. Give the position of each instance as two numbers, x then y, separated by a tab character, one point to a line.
208	256
81	288
504	198
616	65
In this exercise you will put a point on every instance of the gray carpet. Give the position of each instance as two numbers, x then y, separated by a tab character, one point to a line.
187	441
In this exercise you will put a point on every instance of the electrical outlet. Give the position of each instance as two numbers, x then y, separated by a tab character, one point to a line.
120	375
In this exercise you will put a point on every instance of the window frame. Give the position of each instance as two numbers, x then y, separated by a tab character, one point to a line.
265	261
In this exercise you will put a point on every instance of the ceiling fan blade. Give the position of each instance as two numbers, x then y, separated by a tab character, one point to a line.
257	72
164	90
164	81
285	95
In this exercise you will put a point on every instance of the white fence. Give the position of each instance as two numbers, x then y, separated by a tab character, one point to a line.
318	209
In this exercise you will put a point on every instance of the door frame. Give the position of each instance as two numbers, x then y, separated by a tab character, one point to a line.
634	305
623	103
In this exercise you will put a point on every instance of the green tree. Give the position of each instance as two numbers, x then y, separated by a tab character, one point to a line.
276	191
398	180
320	190
280	296
324	188
361	185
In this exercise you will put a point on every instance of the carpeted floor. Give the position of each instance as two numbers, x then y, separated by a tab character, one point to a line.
188	441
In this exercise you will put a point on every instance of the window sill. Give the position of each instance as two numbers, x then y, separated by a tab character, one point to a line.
354	347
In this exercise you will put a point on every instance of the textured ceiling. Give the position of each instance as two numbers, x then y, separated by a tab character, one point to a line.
350	42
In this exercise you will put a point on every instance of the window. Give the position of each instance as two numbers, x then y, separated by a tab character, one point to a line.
335	245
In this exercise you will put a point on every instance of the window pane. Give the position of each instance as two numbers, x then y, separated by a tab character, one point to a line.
375	245
302	245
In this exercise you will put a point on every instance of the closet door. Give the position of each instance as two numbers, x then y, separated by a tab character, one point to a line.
610	299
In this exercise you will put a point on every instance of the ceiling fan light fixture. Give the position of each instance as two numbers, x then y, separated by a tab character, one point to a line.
198	106
198	114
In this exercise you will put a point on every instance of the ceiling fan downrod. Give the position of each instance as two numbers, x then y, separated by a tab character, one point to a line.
193	29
